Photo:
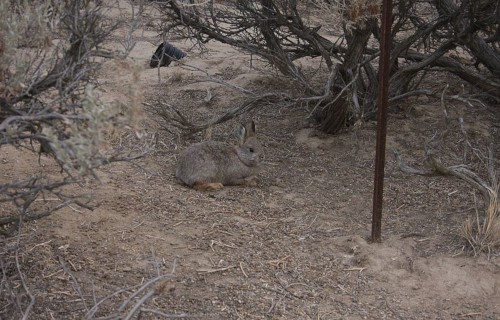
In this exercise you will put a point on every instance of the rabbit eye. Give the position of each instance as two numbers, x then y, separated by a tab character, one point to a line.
251	150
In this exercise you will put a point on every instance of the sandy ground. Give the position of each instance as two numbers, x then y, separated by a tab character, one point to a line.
295	247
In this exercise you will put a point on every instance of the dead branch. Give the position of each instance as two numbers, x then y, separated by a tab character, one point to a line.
468	99
435	167
211	78
139	304
26	312
91	313
145	291
23	193
279	32
167	315
464	29
73	278
176	119
489	86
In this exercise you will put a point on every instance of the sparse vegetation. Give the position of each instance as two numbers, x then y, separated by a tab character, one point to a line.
429	39
477	169
294	247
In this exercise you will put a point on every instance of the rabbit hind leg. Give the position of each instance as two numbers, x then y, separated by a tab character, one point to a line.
207	186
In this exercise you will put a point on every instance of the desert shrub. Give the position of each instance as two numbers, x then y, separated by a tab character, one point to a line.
430	38
50	106
50	103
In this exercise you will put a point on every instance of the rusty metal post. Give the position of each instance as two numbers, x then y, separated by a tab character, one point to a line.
382	101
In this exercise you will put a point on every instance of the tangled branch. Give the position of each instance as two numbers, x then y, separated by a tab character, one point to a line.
429	37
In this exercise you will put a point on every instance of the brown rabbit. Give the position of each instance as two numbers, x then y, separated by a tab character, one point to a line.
210	165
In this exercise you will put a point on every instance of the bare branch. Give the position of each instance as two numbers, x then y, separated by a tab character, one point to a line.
175	118
425	35
25	312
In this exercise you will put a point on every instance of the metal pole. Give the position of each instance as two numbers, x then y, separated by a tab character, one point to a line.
382	101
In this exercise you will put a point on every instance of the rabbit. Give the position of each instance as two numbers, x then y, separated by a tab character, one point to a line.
210	165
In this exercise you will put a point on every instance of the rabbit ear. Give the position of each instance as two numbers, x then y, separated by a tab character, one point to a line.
252	127
246	131
242	134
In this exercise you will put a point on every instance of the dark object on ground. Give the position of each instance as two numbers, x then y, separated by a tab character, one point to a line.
165	54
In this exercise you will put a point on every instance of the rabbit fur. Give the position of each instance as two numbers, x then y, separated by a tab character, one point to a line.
210	165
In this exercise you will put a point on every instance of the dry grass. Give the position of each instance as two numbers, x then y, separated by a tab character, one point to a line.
176	76
483	233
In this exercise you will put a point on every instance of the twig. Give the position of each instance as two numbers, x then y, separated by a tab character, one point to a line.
90	314
39	244
215	270
359	269
286	288
155	262
138	291
139	303
243	271
166	315
26	312
75	281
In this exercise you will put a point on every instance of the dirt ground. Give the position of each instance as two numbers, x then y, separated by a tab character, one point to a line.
294	247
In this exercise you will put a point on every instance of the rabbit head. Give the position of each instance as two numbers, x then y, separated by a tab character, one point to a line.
249	149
